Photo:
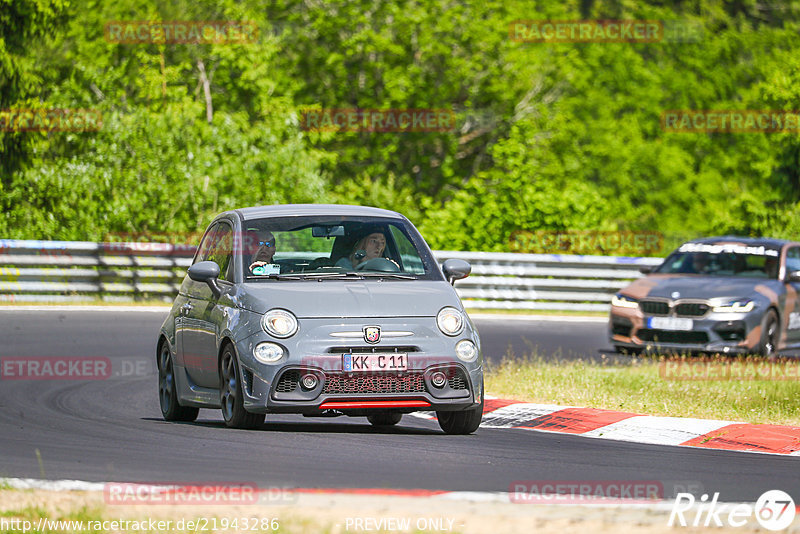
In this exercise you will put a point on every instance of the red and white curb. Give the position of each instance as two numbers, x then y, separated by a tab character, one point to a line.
626	426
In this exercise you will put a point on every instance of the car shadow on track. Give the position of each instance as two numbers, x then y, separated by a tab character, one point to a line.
315	427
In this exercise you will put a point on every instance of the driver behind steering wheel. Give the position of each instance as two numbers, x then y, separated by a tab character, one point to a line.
369	247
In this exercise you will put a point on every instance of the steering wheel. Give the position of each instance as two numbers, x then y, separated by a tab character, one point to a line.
383	265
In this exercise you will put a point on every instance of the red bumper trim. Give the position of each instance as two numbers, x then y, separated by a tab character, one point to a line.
375	404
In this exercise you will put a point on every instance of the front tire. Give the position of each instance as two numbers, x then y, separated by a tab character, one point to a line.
384	418
231	396
167	390
463	422
770	334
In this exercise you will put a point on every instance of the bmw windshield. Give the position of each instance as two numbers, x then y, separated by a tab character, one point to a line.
722	260
325	248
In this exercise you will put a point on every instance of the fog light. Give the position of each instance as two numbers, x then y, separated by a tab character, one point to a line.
438	379
466	350
268	352
309	381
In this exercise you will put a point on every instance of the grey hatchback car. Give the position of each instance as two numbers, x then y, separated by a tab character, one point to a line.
319	310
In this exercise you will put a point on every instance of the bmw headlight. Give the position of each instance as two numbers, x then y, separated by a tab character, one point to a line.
268	352
450	321
732	305
623	301
279	323
466	350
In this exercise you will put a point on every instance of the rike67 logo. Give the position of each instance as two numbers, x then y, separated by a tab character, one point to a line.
774	510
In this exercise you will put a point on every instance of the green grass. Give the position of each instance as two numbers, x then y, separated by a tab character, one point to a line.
640	388
570	313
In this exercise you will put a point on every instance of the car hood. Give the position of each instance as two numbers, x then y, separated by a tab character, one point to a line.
350	298
696	287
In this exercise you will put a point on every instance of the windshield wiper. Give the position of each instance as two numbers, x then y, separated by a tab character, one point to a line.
291	276
400	276
351	275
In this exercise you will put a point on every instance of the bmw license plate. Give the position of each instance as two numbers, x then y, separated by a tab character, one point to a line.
393	361
670	323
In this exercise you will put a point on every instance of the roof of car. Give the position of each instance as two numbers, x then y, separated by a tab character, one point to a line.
752	241
289	210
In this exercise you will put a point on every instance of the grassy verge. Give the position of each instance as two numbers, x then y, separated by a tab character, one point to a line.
646	386
567	313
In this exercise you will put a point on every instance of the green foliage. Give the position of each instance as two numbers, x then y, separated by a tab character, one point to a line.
547	137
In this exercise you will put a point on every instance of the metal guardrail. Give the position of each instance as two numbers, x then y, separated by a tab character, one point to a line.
64	271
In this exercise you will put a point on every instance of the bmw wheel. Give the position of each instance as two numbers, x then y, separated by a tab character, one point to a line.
770	333
231	396
167	392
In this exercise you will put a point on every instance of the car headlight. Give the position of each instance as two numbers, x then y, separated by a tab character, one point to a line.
279	323
466	350
268	352
623	301
732	305
450	321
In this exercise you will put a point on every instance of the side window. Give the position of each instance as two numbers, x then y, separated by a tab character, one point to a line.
206	245
408	252
221	251
793	259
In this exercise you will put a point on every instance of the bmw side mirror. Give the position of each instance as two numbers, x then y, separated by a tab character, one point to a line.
208	272
793	276
646	269
454	269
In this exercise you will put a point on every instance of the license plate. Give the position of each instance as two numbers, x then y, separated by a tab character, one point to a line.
374	362
670	323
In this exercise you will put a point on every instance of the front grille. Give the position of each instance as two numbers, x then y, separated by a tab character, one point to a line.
336	384
371	349
691	309
654	307
672	336
288	382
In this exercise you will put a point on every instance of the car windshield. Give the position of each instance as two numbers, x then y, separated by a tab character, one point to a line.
328	248
722	260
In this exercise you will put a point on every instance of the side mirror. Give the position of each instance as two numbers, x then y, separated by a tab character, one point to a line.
454	269
208	272
793	276
646	269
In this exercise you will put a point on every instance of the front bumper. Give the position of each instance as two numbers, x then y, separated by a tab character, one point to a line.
317	350
727	333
